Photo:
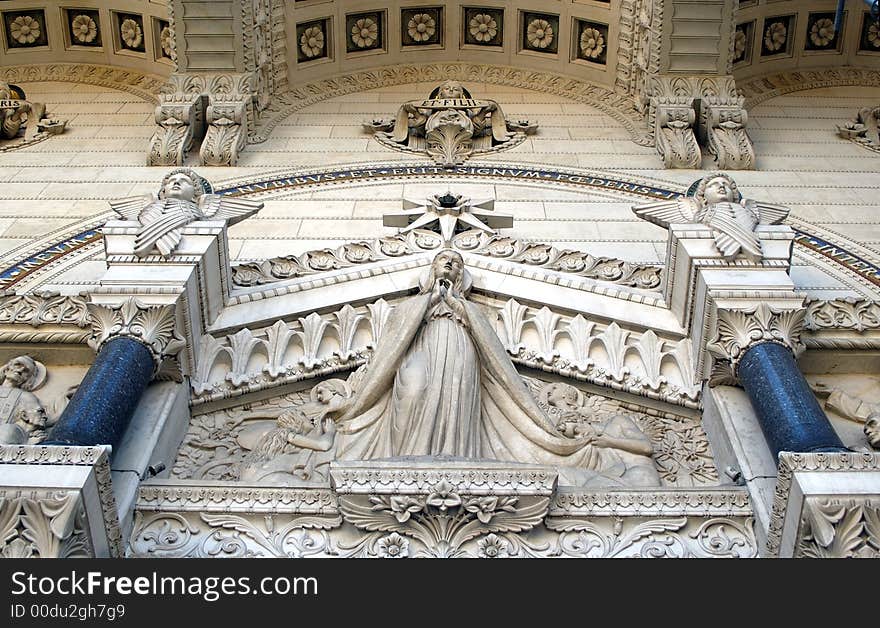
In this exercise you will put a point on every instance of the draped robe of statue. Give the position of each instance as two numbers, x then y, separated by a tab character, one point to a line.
441	383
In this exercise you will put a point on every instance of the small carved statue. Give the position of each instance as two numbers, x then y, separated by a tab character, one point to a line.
864	128
17	112
300	447
622	449
183	197
23	419
855	409
441	383
718	204
450	126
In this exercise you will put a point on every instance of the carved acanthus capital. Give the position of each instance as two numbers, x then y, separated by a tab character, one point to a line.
43	524
815	514
68	509
154	326
739	330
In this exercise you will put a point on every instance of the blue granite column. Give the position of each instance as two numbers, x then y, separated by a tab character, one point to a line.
102	407
789	414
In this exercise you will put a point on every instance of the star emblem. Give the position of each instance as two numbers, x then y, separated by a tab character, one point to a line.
452	213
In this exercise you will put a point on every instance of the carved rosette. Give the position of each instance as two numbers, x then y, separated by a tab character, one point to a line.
154	326
739	330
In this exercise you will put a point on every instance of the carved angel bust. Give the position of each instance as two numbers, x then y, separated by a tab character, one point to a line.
183	197
717	203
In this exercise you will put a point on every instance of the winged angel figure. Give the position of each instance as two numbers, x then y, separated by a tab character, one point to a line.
718	204
183	197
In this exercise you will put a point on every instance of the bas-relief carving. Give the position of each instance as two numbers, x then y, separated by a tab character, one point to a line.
864	129
183	197
450	126
225	445
23	123
839	528
718	204
23	419
853	408
831	522
485	511
51	522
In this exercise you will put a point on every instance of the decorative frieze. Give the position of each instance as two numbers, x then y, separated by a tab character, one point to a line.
474	241
859	315
410	512
43	308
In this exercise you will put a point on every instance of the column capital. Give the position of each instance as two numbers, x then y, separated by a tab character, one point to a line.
738	330
154	326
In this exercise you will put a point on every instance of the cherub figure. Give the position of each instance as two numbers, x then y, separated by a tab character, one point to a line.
717	203
300	446
183	197
23	419
621	449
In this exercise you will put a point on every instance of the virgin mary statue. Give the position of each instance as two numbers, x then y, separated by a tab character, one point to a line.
441	384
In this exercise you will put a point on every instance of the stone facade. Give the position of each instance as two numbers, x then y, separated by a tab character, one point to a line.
452	332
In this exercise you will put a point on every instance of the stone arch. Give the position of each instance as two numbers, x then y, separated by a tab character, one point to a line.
142	85
621	108
763	88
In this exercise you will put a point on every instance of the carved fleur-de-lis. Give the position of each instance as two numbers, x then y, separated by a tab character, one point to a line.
613	339
545	322
278	339
313	327
242	344
513	318
346	326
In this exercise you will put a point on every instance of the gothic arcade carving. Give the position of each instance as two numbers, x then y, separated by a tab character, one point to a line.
450	126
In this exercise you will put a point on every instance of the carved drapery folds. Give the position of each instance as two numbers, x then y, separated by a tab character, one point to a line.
317	345
739	330
154	326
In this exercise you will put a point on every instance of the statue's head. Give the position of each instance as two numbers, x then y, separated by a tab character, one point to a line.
326	390
23	372
450	89
448	265
184	184
562	396
717	188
